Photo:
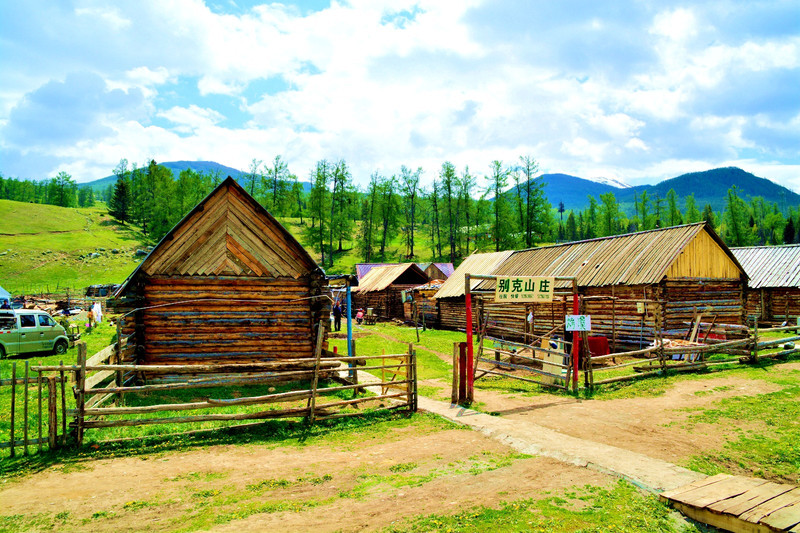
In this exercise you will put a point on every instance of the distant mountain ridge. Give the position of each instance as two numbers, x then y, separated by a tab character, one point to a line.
708	187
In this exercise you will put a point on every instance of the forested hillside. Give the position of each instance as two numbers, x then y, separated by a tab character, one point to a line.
396	218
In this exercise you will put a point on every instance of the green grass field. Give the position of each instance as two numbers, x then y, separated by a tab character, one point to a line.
43	245
44	248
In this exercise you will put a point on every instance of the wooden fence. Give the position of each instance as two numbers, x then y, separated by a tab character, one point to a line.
44	422
537	362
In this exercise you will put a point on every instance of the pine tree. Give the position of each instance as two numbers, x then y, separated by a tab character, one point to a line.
119	206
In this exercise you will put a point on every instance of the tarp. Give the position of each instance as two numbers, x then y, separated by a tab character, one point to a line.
4	294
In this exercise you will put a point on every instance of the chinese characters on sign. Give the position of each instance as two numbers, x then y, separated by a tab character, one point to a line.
524	289
579	323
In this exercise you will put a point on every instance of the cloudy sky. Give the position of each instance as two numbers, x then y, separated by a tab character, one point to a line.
638	91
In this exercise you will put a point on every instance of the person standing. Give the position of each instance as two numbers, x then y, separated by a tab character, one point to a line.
337	316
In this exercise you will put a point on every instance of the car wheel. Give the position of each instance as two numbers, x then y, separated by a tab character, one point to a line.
60	348
2	352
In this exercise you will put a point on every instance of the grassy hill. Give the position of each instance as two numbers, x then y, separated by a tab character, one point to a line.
45	248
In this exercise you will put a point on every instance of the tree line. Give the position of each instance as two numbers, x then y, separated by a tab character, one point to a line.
460	211
60	190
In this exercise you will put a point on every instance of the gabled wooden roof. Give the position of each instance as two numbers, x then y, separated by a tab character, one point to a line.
379	278
643	258
227	234
482	264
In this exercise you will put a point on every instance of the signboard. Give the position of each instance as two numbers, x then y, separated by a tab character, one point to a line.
524	289
579	323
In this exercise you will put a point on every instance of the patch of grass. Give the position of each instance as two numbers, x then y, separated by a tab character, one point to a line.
400	475
402	467
619	508
199	476
269	484
345	433
45	255
770	448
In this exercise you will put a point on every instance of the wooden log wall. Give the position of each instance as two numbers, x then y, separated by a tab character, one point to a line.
773	304
424	305
387	303
255	319
723	299
452	313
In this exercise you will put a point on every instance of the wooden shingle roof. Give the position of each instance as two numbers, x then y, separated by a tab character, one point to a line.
227	234
381	277
483	264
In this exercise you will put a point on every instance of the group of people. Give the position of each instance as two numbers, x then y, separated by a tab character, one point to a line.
337	316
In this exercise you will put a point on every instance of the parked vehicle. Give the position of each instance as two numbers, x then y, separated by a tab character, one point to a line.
27	331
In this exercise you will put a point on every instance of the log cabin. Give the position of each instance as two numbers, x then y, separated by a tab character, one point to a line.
380	289
773	292
228	284
633	286
450	296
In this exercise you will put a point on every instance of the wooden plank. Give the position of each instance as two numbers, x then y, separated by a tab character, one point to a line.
102	356
670	494
716	492
756	514
97	378
737	499
784	518
189	237
759	495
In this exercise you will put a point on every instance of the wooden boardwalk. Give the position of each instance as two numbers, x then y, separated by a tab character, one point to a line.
739	503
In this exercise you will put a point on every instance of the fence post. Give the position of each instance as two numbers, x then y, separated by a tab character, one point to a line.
454	391
318	355
409	378
755	340
80	383
414	369
63	377
25	410
39	387
462	373
13	403
118	361
52	414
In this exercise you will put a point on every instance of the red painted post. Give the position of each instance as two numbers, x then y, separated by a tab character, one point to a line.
575	339
470	360
462	372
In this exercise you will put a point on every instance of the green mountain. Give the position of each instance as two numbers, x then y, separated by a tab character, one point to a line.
709	187
176	167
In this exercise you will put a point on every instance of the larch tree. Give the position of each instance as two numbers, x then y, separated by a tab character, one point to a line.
409	186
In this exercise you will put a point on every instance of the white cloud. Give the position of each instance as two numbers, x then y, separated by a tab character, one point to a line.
631	91
105	15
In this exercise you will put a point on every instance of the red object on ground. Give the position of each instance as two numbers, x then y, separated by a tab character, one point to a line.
598	346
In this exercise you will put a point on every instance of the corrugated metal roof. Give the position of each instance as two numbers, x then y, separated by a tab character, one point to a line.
446	268
483	264
770	266
380	277
362	269
634	259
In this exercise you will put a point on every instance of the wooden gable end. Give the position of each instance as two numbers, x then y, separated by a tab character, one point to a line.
229	234
704	257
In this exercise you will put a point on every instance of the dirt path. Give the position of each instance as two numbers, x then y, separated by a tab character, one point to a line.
352	486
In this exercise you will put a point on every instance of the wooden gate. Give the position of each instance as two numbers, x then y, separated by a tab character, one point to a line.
535	359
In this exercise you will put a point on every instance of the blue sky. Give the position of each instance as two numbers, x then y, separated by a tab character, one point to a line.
637	91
